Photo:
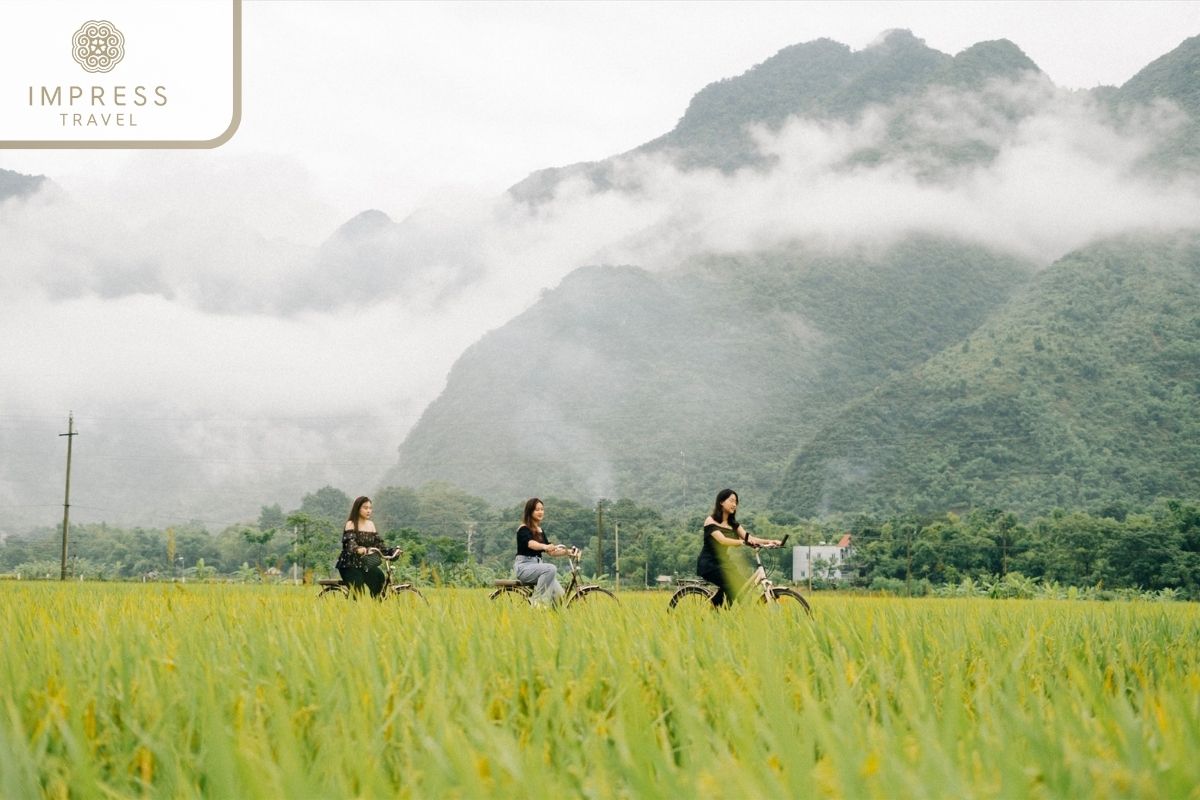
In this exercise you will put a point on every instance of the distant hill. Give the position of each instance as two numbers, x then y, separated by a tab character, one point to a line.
932	373
14	184
1174	77
821	79
625	383
1081	392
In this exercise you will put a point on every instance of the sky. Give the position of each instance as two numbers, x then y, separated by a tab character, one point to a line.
408	101
155	295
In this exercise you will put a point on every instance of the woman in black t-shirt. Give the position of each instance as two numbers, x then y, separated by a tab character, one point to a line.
357	565
531	547
722	532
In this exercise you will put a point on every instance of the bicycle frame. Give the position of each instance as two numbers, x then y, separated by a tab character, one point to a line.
758	577
576	589
769	593
390	587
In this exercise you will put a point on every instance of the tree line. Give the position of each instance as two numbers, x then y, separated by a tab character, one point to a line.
449	536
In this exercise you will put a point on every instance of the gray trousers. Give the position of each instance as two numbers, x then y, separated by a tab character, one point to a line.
543	576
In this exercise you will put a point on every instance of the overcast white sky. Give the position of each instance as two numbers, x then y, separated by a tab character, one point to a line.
147	297
387	105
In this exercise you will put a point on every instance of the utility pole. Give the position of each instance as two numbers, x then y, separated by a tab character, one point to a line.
810	567
470	541
599	537
645	540
908	564
70	434
617	534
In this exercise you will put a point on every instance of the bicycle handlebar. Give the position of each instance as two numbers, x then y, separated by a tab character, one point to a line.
396	551
748	543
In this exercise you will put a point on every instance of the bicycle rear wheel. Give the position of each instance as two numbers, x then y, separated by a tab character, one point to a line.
332	588
695	597
589	592
407	594
511	595
788	598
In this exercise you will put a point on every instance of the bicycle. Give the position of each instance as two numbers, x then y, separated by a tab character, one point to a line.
576	590
390	588
696	591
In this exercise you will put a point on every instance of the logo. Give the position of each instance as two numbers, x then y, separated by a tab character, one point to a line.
98	46
98	94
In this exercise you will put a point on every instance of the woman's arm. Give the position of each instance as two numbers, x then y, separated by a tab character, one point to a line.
757	542
719	535
526	538
548	548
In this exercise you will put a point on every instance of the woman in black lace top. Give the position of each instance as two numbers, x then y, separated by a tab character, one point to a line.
722	533
358	566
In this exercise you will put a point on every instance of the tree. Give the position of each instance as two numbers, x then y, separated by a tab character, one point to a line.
315	541
253	536
446	510
395	507
270	517
328	503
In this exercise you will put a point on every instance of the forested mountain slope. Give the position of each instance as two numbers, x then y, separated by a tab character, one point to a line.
1083	392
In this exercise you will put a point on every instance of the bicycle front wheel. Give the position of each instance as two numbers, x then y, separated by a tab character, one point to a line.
696	597
589	592
788	598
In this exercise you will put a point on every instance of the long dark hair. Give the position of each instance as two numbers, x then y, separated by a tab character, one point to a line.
719	512
354	509
527	518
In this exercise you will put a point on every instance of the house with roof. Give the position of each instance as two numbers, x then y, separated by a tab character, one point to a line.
822	561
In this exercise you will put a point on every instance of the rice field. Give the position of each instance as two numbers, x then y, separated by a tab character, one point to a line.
115	691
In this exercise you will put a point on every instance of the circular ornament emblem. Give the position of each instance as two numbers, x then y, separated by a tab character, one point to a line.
98	46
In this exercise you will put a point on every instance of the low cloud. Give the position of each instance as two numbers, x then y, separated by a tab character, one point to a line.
192	289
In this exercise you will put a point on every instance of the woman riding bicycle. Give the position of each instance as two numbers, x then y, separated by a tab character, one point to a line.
722	532
357	564
531	546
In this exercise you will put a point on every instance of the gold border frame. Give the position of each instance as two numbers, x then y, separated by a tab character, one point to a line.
174	144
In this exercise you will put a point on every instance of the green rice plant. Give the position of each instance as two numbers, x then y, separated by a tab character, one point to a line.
123	691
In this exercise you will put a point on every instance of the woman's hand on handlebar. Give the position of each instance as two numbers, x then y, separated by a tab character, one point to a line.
389	555
754	541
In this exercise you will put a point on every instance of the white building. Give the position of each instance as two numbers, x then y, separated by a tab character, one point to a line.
826	559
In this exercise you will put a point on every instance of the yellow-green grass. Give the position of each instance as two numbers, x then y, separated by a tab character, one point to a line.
231	691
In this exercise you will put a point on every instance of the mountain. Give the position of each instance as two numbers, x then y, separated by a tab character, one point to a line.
1174	78
821	80
1080	392
1169	77
838	376
621	382
14	184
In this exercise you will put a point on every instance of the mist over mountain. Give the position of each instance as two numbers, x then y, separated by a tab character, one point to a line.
14	184
1168	81
818	80
692	312
626	383
880	207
